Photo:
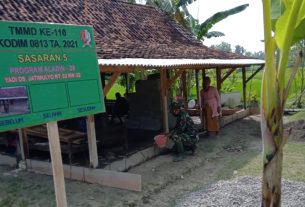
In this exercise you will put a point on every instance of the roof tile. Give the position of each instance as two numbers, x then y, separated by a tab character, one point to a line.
122	30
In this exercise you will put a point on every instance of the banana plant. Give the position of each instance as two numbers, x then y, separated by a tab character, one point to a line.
202	30
178	10
284	23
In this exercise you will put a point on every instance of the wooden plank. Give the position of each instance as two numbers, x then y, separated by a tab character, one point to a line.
251	76
244	87
174	78
218	78
112	80
227	74
92	141
114	179
57	166
102	177
45	168
184	90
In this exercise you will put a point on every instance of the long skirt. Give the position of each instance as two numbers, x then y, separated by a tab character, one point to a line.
211	124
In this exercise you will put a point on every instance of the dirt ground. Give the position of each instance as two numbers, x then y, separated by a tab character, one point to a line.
164	182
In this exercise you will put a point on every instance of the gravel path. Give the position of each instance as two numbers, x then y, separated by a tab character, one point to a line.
243	192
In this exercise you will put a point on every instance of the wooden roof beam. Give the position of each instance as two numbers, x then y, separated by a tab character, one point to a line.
111	82
259	69
228	74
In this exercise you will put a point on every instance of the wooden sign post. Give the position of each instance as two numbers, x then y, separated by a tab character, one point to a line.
92	141
57	166
51	75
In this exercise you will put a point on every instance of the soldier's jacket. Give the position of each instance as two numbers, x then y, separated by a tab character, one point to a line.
185	125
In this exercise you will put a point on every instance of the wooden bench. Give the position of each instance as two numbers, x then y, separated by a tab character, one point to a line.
71	141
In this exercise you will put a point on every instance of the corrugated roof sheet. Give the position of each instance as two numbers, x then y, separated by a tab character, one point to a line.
138	62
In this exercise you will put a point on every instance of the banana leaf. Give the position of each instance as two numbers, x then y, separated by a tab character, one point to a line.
210	22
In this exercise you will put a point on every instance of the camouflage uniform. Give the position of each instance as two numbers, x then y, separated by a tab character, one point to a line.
184	134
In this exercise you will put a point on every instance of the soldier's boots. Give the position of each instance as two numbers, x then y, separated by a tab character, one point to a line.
180	150
193	149
179	157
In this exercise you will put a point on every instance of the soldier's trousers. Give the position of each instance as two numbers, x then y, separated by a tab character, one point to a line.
184	140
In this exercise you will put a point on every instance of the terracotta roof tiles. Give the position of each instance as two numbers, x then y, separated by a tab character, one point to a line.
122	30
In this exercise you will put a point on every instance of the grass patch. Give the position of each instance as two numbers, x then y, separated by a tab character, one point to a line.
296	117
235	163
293	164
7	202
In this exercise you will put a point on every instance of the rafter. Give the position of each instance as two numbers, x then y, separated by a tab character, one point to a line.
112	80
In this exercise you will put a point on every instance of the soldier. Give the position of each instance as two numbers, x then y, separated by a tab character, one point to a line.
184	134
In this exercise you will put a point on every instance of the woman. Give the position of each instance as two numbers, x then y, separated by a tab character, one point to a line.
210	105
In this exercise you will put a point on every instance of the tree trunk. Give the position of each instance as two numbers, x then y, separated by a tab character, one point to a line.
271	186
273	142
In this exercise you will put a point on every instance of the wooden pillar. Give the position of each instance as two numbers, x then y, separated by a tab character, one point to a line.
103	79
163	90
57	166
218	78
197	88
93	156
244	87
203	75
127	83
184	90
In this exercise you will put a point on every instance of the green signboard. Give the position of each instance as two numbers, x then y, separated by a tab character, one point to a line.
48	72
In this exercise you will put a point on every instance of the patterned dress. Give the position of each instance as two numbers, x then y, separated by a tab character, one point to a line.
210	101
184	134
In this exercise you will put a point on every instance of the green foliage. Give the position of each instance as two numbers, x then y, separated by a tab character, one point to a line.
214	34
253	86
115	88
230	84
223	46
291	24
178	10
7	202
132	80
294	164
203	28
240	50
287	16
296	117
